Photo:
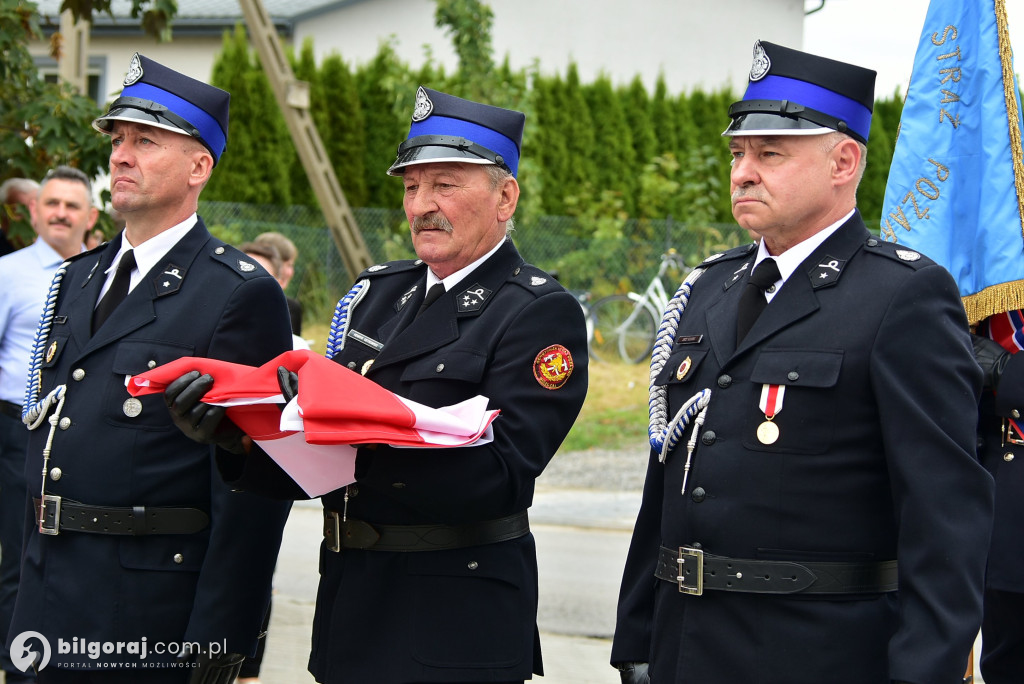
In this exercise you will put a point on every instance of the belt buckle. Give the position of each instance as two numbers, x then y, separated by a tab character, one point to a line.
695	554
332	531
44	504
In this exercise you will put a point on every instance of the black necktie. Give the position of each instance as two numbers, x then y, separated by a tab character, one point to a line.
435	291
752	300
117	292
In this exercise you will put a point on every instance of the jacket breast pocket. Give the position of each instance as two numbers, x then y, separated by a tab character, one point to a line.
133	357
800	383
444	377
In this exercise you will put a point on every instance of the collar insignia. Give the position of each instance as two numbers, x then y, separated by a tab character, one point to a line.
473	298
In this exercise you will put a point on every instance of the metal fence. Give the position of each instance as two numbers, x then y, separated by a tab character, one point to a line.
625	258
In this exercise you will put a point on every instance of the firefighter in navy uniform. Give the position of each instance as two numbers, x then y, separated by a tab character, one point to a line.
998	340
132	534
428	570
817	514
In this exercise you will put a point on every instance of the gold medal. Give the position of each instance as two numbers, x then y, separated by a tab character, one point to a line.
767	432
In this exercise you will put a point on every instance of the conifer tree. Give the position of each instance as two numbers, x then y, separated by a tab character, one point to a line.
577	126
663	118
613	156
341	126
255	167
546	144
636	107
381	84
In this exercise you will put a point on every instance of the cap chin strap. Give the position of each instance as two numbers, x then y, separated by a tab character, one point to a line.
456	142
794	111
157	110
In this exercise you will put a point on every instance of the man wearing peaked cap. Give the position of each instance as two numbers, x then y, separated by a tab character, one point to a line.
130	507
428	569
163	98
812	428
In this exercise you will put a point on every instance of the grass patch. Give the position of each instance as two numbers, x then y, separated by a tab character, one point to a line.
614	413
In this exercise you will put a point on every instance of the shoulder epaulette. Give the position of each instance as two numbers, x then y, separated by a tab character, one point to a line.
896	252
388	267
734	253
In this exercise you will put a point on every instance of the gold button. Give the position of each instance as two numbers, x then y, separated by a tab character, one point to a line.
65	423
1008	456
179	559
78	374
56	474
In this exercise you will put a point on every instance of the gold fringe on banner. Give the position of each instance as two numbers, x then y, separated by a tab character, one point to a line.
1013	114
994	300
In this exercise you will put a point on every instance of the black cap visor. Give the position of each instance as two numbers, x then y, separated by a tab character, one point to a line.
781	117
146	112
426	149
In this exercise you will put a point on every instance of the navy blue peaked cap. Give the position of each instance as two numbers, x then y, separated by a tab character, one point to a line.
156	95
796	93
446	128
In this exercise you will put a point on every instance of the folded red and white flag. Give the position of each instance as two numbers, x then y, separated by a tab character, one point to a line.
335	407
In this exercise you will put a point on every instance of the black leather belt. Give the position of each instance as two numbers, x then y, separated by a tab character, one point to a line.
357	534
10	409
57	515
694	571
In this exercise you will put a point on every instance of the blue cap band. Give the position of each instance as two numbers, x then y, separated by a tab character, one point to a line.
856	115
209	129
481	135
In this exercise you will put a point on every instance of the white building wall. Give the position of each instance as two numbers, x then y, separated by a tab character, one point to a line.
695	43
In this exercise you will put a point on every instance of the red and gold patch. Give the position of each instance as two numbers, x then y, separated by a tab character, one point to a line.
553	366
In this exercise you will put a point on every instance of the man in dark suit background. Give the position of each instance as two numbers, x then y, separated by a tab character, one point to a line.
819	515
136	540
428	568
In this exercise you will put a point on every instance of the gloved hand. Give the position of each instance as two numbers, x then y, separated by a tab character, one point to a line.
289	382
201	422
633	673
992	358
212	669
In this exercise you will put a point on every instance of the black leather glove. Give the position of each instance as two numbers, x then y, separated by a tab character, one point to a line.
992	358
201	422
289	382
213	669
633	673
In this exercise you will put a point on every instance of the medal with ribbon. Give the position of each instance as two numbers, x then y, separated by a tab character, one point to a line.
770	405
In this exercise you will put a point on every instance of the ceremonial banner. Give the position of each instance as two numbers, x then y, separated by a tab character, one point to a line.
334	408
956	186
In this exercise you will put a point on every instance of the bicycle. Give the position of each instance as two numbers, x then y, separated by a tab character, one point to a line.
625	325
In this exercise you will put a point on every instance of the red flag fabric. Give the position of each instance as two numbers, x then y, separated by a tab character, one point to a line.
334	406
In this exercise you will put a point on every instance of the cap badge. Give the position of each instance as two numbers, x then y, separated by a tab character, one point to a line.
553	366
246	267
134	71
537	281
378	267
907	255
423	107
759	69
